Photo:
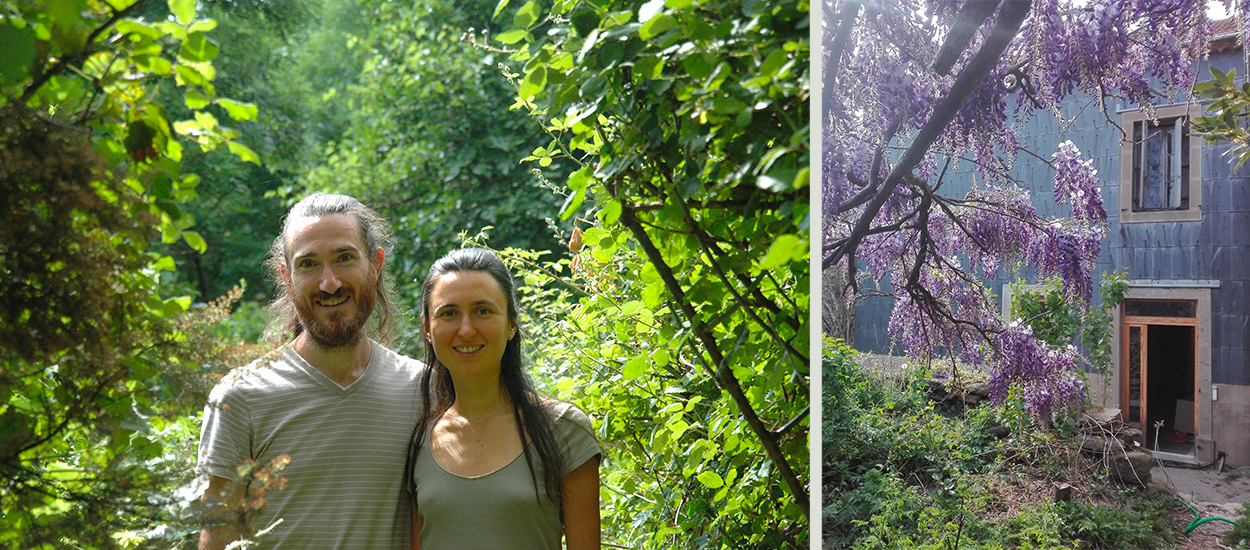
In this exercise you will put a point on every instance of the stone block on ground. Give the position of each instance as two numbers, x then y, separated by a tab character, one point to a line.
1132	467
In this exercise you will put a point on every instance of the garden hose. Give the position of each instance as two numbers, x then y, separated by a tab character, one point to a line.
1199	520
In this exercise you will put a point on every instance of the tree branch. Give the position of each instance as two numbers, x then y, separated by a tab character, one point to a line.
1010	18
724	376
87	49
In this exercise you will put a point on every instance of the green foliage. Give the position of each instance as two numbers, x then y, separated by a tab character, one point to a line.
1057	323
1239	537
880	430
1047	312
1226	113
428	140
684	126
682	467
1098	328
99	363
900	475
1137	525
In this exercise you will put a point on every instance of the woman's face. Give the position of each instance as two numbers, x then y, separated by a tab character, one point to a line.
467	323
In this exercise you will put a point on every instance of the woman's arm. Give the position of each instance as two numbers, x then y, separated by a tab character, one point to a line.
417	523
581	506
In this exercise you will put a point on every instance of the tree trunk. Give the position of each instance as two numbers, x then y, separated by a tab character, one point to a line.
837	310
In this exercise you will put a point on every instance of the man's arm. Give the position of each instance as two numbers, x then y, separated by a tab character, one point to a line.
221	517
581	507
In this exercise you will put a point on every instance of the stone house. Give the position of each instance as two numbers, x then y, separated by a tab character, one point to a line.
1179	216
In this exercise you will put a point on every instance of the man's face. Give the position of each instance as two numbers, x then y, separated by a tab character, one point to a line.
332	278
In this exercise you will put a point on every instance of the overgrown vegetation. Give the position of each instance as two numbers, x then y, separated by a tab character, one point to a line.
665	142
902	472
1239	537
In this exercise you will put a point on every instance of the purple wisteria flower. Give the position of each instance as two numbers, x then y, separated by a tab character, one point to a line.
931	247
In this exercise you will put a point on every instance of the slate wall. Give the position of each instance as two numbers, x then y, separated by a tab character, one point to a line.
1214	248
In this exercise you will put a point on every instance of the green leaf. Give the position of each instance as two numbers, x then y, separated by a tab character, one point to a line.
195	99
649	10
634	368
631	308
698	66
775	60
571	204
711	479
649	67
653	295
585	21
130	26
527	15
165	263
162	186
770	183
534	83
17	53
198	48
581	178
155	64
611	213
661	357
189	75
239	110
782	252
184	10
195	241
499	8
512	36
726	105
803	178
243	152
656	26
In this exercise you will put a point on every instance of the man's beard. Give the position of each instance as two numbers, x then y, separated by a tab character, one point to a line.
338	331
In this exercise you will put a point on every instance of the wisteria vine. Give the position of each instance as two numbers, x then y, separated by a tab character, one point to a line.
900	114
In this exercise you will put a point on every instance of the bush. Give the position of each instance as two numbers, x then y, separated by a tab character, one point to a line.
1137	525
1239	537
900	474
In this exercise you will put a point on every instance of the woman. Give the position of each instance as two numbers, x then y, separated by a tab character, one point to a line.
493	465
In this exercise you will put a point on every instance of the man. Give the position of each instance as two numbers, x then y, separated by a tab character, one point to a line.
339	404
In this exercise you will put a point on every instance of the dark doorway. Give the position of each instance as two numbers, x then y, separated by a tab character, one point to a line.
1170	392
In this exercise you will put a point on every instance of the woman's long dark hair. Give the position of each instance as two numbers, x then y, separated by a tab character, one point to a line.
438	392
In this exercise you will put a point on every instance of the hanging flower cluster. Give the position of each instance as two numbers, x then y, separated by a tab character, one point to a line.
1045	376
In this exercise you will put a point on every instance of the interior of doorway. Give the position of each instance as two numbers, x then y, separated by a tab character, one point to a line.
1170	380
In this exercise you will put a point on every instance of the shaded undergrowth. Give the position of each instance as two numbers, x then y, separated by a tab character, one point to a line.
903	473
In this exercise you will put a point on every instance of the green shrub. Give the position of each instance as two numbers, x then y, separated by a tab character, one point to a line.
1137	525
1239	537
1037	526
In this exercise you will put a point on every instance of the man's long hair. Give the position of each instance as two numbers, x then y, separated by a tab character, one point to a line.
439	392
284	323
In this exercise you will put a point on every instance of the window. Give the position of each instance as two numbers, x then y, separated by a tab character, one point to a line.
1160	165
1160	172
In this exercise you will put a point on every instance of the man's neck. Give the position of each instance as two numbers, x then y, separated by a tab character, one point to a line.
343	365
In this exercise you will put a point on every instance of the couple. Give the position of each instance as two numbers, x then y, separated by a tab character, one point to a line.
386	452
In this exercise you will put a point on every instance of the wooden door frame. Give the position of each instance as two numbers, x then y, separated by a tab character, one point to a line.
1127	322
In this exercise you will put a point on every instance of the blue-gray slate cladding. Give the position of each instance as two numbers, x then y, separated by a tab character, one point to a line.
1214	248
